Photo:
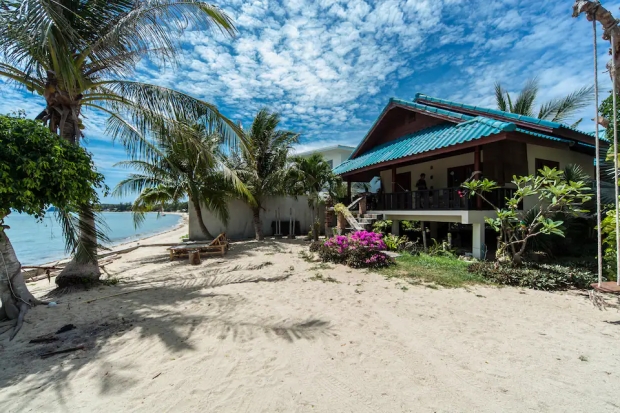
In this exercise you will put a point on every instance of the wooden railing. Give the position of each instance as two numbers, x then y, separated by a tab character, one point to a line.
443	199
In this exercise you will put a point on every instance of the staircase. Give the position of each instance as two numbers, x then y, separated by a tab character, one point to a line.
365	221
357	222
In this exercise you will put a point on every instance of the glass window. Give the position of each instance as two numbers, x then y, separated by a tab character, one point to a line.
330	163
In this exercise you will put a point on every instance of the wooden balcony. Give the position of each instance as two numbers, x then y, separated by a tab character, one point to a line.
443	199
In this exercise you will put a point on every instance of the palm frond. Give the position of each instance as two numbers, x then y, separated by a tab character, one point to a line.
524	105
146	105
500	100
566	107
82	236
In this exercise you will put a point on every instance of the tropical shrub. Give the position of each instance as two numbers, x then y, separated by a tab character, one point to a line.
382	226
340	208
554	194
394	242
361	249
440	249
608	230
536	276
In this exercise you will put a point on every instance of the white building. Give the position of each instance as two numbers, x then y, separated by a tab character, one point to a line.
334	155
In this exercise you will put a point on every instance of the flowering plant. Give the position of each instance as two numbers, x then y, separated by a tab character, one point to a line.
361	249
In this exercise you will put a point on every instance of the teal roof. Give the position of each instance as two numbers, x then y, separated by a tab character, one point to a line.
495	112
435	137
464	129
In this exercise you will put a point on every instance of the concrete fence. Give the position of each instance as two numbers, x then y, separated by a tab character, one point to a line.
241	224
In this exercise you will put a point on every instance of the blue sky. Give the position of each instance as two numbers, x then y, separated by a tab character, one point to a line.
329	67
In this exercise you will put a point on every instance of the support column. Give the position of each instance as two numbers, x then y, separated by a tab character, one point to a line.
363	205
477	167
478	247
434	230
395	227
349	190
393	179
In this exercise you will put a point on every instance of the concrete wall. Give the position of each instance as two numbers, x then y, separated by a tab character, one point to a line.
241	224
563	156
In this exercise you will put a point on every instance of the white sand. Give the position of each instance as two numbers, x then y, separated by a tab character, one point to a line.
189	341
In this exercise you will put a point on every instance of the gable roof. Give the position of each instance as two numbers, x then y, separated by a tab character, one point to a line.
458	128
425	140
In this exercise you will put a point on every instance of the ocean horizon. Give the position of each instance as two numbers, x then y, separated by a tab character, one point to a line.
41	242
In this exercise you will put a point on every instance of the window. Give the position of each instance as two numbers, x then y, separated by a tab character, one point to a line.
541	163
331	163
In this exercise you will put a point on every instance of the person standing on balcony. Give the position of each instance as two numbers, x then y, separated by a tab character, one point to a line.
421	186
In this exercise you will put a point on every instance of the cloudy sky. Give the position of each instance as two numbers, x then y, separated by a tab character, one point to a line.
329	67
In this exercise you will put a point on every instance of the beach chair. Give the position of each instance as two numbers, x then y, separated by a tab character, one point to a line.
219	246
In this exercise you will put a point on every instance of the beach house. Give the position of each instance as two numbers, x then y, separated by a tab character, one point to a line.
424	149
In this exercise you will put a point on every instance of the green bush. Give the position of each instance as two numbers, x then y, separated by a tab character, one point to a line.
548	277
38	169
394	242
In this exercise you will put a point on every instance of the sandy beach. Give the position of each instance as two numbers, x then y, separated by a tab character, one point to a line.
259	330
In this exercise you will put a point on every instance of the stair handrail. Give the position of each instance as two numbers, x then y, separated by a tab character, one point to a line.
350	218
354	203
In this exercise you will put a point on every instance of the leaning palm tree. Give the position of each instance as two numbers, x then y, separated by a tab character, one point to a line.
79	55
556	110
262	163
312	176
180	168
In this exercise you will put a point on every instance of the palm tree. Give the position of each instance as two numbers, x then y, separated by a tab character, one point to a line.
78	55
556	110
180	168
313	177
262	163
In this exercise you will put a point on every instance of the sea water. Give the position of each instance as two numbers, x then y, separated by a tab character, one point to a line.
40	242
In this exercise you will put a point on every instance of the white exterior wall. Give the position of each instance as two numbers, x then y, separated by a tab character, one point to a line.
241	223
336	155
564	156
438	169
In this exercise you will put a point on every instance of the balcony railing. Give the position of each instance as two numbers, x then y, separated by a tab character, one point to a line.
444	199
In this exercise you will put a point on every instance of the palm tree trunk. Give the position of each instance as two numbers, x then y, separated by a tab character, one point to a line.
258	225
14	295
83	269
200	220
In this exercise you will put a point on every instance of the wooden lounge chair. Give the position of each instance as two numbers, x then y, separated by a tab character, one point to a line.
219	246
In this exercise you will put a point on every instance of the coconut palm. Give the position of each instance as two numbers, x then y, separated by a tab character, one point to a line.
262	163
79	55
180	168
556	110
312	176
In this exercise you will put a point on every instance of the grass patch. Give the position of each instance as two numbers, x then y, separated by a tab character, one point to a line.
444	271
321	266
304	255
319	277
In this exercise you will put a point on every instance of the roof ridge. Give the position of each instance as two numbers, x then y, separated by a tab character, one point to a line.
530	119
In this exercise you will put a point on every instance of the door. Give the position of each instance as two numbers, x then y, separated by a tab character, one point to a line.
459	174
403	182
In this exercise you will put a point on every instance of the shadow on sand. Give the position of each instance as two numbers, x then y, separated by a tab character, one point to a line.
143	308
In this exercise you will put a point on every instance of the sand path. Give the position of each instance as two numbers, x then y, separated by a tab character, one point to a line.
203	338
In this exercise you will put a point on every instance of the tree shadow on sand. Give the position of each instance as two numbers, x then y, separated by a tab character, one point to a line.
140	311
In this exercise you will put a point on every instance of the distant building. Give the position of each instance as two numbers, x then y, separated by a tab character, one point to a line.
334	155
